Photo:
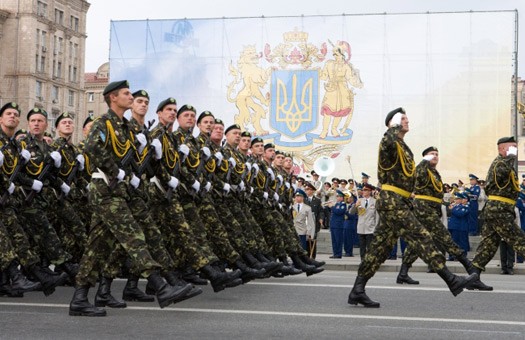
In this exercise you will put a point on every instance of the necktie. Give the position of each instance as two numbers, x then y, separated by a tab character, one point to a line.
298	207
366	204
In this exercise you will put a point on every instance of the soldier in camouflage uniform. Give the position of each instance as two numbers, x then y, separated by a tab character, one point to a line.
110	147
396	170
428	199
502	188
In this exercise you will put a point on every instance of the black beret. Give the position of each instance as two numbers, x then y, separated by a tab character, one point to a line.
20	132
62	116
36	110
392	113
116	85
506	140
232	127
269	146
186	107
219	121
279	152
165	102
10	105
246	134
257	140
88	120
204	114
140	93
429	149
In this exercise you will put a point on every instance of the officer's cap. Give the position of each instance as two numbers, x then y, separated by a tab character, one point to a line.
472	176
63	116
339	193
429	149
363	175
140	93
10	105
204	114
510	139
335	179
300	192
367	186
186	107
313	173
35	111
232	127
392	113
309	185
116	85
343	181
165	102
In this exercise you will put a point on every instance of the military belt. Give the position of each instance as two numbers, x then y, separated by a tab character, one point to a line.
397	190
429	198
502	199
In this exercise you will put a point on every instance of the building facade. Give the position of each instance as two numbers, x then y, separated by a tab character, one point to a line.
94	84
42	56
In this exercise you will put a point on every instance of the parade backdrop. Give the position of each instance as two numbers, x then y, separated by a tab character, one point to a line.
322	85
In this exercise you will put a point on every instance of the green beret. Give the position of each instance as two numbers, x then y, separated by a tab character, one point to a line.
165	102
392	113
186	107
269	146
88	120
257	140
62	116
35	111
232	127
116	85
506	140
429	149
20	132
140	93
10	105
246	134
204	114
219	121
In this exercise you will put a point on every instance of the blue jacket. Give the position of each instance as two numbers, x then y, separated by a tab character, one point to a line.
350	219
459	218
521	207
338	216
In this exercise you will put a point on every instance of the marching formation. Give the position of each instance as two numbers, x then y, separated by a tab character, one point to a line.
139	201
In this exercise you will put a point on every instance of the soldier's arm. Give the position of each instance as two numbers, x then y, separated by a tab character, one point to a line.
98	149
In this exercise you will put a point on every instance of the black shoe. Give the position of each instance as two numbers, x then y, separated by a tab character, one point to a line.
80	305
348	255
19	283
334	257
166	294
104	297
191	276
174	280
403	277
49	279
358	294
132	292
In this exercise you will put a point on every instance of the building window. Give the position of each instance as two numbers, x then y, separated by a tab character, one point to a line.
59	70
91	97
42	64
43	41
59	17
37	37
74	74
41	9
54	94
73	23
37	63
71	98
38	91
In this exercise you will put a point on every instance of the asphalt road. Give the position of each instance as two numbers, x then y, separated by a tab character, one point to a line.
292	307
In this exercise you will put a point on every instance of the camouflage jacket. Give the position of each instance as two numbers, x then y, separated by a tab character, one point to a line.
69	153
11	150
40	151
191	164
428	183
502	179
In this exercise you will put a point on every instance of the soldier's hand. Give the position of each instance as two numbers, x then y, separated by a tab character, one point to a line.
1	158
134	181
57	159
207	187
232	162
512	151
276	197
120	175
241	186
287	185
26	155
158	148
248	166
256	167
173	183
196	186
270	172
265	195
184	149
37	185
206	152
65	188
81	161
141	138
226	188
218	155
280	178
11	188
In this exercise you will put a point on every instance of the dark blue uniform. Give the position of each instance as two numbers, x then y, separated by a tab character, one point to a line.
337	221
458	225
475	191
350	231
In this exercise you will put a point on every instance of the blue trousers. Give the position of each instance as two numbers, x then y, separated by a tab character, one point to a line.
350	238
337	241
302	238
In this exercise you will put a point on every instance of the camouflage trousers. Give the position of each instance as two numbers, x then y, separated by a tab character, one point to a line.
430	219
7	251
498	225
290	237
271	230
237	234
260	242
18	237
177	232
392	225
112	224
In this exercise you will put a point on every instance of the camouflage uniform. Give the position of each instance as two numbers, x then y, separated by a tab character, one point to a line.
112	223
396	170
502	188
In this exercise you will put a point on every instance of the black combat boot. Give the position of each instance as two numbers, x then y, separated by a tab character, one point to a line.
104	297
5	286
269	262
311	261
288	269
49	279
219	279
477	284
191	276
358	294
455	283
308	269
261	263
403	277
248	273
166	294
174	279
132	292
80	306
70	268
19	283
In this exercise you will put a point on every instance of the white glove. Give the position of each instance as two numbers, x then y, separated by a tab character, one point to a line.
1	158
396	120
65	188
251	190
226	187
232	162
270	172
241	186
37	185
56	158
294	186
287	184
173	183
219	156
280	178
256	167
11	188
207	187
512	151
276	197
248	166
196	186
158	148
142	141
134	181
121	175
184	149
206	151
265	195
81	161
280	206
25	155
428	158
